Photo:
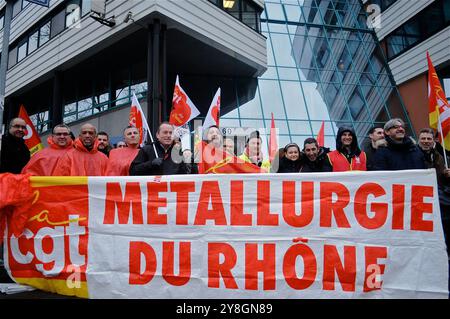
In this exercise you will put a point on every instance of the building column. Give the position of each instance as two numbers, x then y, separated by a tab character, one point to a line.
56	110
163	66
156	75
155	103
11	112
150	83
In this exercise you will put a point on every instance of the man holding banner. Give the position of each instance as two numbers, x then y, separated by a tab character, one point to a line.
15	154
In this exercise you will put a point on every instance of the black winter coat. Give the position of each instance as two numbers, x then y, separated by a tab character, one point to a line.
405	155
321	164
145	164
15	154
289	166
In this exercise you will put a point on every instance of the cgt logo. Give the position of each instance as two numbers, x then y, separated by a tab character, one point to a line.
49	249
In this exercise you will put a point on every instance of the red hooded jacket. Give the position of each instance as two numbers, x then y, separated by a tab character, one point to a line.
43	163
81	162
120	160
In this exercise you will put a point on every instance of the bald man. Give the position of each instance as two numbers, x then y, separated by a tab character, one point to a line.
84	159
14	153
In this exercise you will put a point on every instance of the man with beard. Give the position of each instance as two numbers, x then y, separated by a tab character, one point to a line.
376	138
103	143
315	157
84	159
14	153
347	156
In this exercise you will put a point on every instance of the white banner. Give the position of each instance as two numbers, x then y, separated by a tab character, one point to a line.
340	235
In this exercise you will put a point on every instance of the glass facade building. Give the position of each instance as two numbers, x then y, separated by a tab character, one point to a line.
325	64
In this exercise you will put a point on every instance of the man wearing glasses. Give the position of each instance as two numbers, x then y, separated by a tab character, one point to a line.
43	163
14	153
401	151
84	159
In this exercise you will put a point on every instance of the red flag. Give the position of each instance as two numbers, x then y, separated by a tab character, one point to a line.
183	110
213	116
321	135
32	139
217	161
138	120
438	106
273	144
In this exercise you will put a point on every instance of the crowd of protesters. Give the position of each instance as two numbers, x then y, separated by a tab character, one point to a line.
90	154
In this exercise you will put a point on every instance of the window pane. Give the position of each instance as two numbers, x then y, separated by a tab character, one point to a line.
271	98
293	100
73	13
58	22
33	42
85	7
12	59
17	6
232	7
22	51
274	11
44	33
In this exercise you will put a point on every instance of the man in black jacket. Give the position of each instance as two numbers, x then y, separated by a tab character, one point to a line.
401	152
14	153
315	157
376	138
168	161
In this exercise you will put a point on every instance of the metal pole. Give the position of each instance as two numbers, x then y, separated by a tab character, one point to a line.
156	114
4	58
150	77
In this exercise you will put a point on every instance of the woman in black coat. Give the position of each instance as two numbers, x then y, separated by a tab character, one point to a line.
291	161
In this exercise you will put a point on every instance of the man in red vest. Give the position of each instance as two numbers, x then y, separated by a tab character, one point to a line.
347	156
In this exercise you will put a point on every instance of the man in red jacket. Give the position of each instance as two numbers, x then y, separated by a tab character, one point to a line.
84	159
43	163
120	158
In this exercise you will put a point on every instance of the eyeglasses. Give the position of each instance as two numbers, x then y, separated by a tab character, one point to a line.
23	127
61	134
397	126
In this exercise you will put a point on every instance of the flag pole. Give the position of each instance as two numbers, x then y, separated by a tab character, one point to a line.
145	124
443	140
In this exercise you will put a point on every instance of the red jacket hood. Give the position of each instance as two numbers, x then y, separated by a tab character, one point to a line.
79	146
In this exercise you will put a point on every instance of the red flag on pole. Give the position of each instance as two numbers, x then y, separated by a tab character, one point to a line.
183	110
321	135
212	118
32	139
438	106
138	120
273	144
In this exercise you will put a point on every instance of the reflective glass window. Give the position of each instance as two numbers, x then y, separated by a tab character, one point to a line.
33	41
22	51
44	33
